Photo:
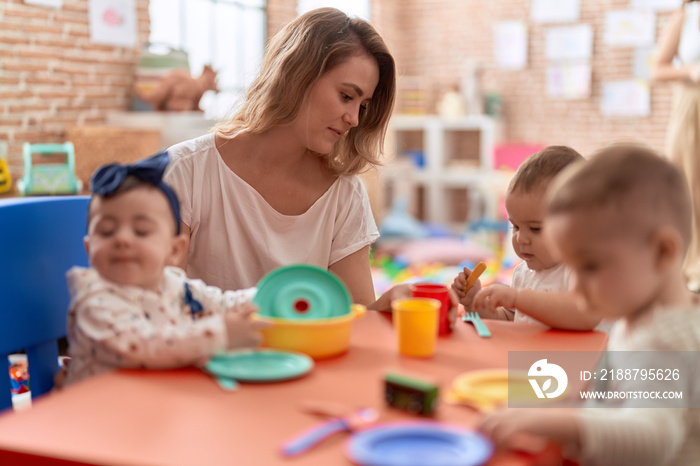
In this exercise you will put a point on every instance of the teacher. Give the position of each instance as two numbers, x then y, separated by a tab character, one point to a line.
277	183
681	41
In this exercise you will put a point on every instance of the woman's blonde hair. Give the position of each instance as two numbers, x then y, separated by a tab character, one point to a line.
296	58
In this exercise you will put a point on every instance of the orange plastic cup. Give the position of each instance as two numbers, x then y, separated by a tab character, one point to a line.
416	323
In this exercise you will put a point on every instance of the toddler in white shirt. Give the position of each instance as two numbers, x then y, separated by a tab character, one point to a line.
540	287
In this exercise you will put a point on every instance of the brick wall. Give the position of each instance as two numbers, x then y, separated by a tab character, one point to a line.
445	32
432	39
279	13
51	75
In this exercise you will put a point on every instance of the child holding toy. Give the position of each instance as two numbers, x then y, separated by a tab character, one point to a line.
622	222
540	288
132	308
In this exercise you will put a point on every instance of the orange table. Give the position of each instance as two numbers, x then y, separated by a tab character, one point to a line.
181	417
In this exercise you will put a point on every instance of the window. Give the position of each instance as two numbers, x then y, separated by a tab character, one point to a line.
228	34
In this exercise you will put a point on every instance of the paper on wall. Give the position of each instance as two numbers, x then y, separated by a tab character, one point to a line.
53	3
510	44
625	98
643	60
113	22
633	28
569	42
555	11
569	80
657	5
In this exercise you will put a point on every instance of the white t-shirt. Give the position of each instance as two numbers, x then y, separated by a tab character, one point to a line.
552	279
237	237
689	43
624	434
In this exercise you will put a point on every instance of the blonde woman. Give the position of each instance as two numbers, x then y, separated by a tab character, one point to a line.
678	60
277	183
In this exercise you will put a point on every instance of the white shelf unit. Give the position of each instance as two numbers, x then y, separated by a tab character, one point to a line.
439	174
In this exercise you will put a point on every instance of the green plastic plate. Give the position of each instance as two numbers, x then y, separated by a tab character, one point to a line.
302	292
260	365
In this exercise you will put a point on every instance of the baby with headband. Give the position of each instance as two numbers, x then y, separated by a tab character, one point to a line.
132	308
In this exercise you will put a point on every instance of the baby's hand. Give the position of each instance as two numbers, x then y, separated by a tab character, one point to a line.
515	427
59	380
503	426
241	328
460	283
495	296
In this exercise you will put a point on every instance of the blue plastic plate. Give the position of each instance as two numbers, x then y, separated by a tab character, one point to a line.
302	292
418	444
260	365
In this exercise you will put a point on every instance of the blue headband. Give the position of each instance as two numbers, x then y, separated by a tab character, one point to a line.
109	178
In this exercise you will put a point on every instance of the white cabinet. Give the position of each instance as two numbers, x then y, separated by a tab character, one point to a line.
174	126
457	155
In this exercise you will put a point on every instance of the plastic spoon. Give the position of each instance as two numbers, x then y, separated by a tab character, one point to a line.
225	383
308	439
476	273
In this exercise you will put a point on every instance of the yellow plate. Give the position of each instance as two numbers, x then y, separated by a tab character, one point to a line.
488	389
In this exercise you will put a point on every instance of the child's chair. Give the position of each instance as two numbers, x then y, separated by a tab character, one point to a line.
41	238
49	178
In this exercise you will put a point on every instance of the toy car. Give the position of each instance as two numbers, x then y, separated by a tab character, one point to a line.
49	178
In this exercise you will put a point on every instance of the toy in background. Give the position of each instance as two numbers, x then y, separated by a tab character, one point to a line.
178	91
156	61
399	223
410	394
452	103
413	95
49	178
5	177
471	87
416	256
19	376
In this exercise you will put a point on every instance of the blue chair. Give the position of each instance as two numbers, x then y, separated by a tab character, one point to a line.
40	239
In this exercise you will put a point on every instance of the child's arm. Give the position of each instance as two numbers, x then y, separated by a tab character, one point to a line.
122	334
639	436
215	300
236	307
558	309
562	426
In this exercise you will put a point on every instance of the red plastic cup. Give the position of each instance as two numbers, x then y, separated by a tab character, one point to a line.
439	292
